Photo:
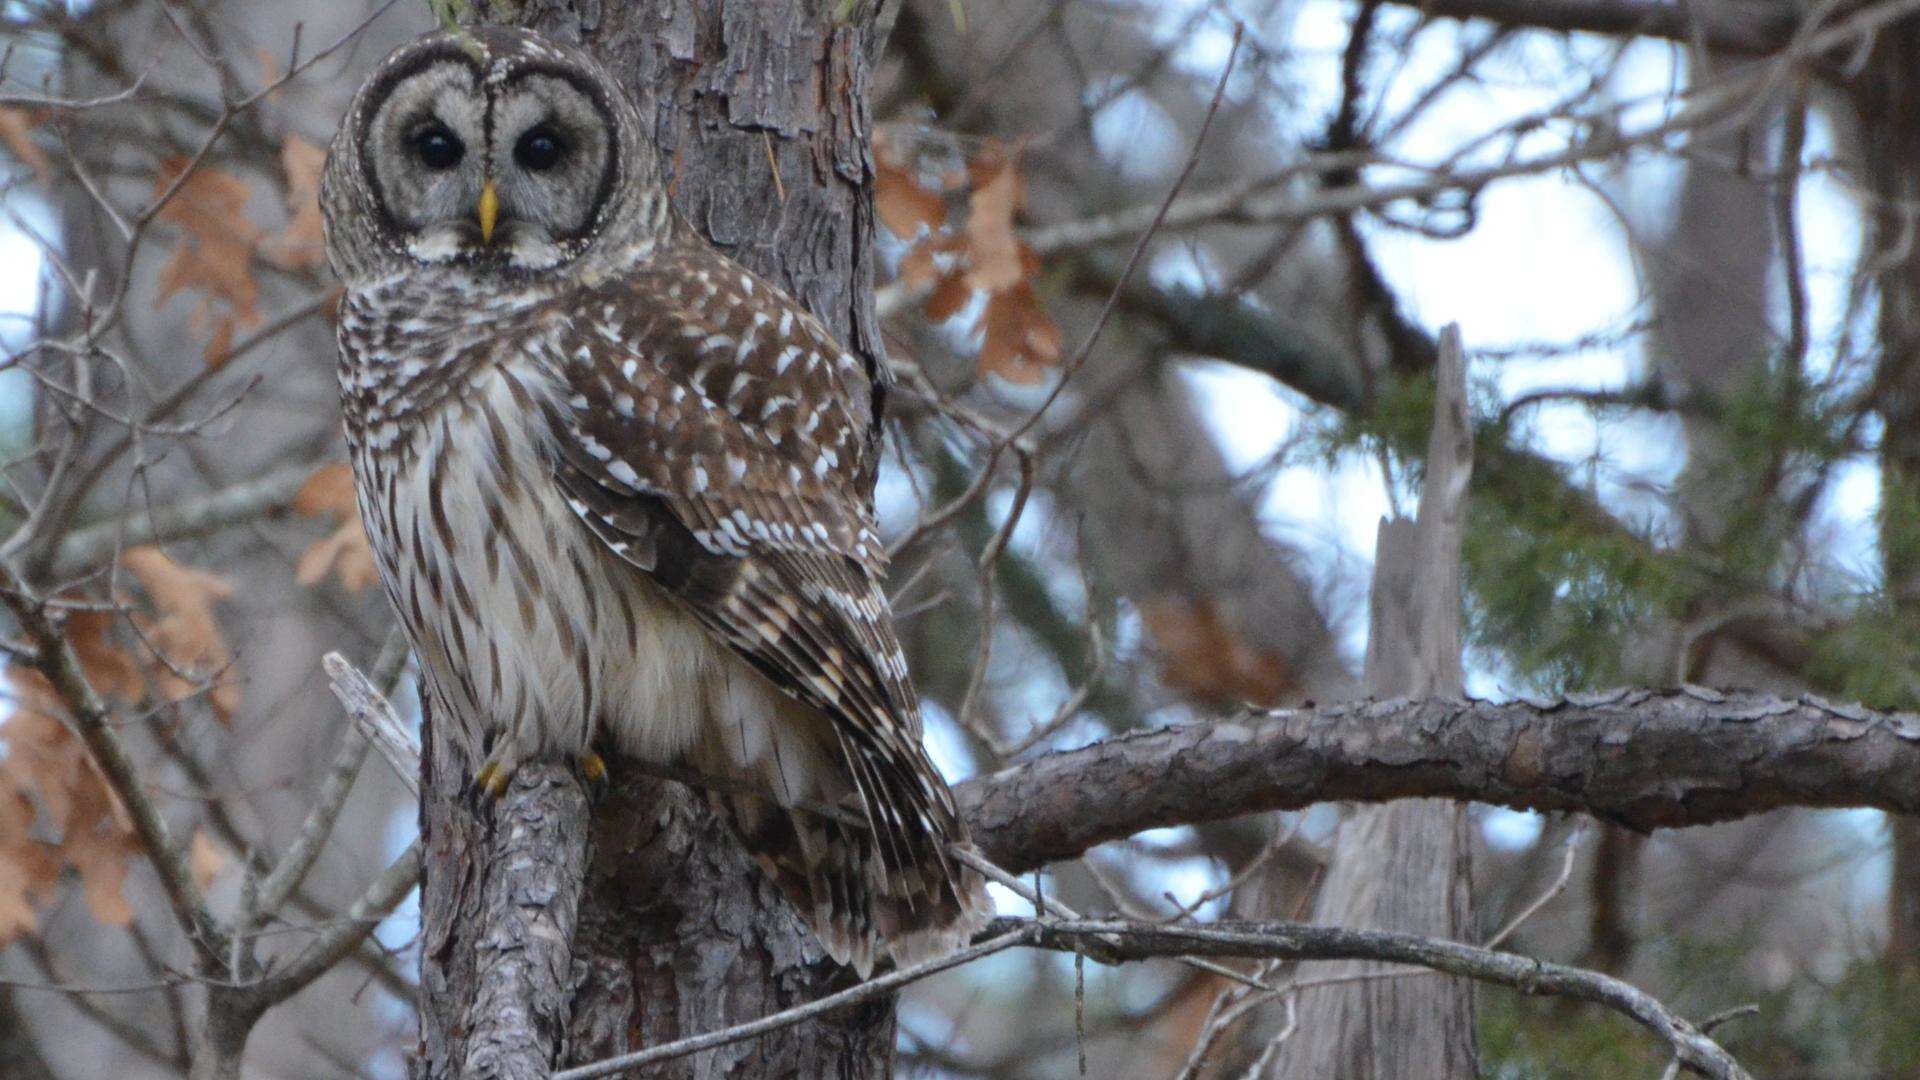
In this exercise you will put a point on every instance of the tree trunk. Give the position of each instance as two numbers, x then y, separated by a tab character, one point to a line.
1405	866
1886	105
760	112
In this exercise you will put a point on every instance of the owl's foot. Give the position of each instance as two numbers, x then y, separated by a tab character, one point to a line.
497	771
493	778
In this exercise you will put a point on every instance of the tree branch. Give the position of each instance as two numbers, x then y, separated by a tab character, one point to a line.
383	894
1743	28
262	497
1303	941
1643	758
535	867
54	658
1126	940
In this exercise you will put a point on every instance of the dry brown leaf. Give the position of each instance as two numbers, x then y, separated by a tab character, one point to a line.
917	269
29	868
1207	659
112	672
947	298
16	130
328	491
55	812
214	255
301	243
345	551
205	859
26	876
100	854
186	630
905	207
1021	341
270	70
993	251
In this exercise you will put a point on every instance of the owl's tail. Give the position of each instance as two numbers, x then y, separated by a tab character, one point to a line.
865	891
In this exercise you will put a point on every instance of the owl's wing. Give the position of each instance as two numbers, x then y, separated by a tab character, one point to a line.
748	509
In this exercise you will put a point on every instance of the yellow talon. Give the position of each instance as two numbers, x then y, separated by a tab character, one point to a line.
593	766
493	779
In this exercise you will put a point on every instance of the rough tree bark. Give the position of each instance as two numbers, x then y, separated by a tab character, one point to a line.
1644	759
1406	866
1886	119
761	114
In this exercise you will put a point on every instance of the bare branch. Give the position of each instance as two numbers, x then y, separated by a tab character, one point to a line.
866	991
54	658
300	855
375	719
263	497
1302	941
383	894
1643	758
1726	28
1126	940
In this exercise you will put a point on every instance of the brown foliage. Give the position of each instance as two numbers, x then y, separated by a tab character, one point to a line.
212	259
300	244
345	551
183	631
16	131
1207	659
984	257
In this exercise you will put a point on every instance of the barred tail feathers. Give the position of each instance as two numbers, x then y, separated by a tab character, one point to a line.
856	840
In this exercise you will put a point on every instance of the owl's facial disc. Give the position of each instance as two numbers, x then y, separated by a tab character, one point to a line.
493	163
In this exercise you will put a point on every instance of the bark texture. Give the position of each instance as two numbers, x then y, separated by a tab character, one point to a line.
760	113
1646	759
508	949
1405	867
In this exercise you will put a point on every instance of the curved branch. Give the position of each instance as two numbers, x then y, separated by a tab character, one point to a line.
1129	940
1643	758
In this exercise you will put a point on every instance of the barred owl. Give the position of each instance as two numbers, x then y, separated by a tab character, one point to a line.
620	489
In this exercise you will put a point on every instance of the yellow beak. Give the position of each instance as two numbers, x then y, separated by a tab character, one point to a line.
489	211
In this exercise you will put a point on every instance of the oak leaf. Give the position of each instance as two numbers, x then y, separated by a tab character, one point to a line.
993	250
301	243
185	631
16	130
1207	658
56	813
205	859
905	207
214	255
345	551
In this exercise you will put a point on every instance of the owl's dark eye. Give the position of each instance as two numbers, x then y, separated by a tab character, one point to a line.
438	148
540	149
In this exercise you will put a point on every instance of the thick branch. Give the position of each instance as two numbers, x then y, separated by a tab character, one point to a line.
535	866
1643	758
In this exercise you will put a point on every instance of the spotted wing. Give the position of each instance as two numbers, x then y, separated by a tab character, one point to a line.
718	441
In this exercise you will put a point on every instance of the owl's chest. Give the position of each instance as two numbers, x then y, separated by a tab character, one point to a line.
446	468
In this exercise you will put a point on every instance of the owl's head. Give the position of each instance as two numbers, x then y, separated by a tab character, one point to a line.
497	150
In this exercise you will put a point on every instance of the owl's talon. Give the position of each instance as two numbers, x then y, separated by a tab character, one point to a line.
492	779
